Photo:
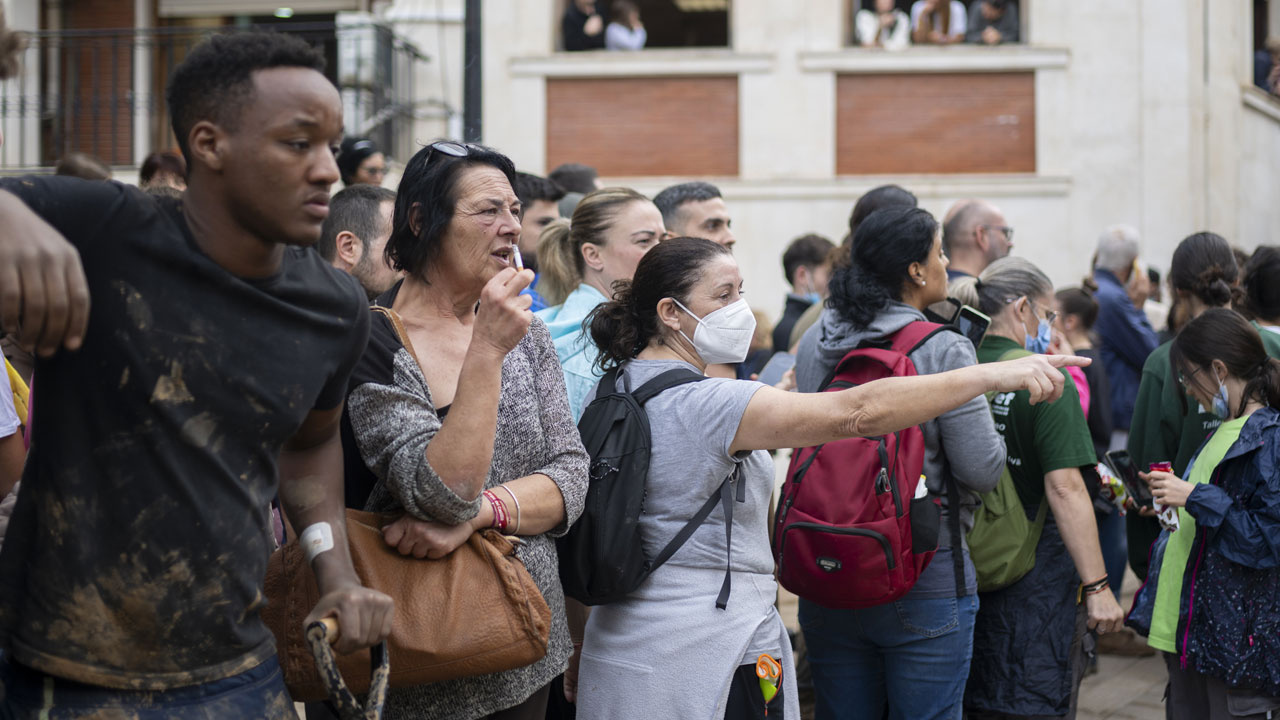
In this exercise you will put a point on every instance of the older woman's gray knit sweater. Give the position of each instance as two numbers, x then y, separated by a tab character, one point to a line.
393	419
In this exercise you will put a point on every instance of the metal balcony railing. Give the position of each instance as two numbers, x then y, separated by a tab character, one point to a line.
101	92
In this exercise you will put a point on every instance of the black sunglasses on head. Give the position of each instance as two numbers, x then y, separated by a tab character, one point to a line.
448	147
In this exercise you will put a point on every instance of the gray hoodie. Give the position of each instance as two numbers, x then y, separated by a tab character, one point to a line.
962	444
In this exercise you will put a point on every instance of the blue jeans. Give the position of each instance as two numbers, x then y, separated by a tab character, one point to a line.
259	693
911	655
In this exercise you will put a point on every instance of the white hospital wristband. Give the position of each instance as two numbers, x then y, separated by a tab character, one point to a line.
316	539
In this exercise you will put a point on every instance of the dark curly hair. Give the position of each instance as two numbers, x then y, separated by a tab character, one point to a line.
1205	266
622	327
887	243
215	81
431	181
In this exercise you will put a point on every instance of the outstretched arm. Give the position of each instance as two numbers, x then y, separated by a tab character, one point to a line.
777	419
311	492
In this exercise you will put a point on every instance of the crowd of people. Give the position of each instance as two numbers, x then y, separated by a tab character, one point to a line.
198	377
879	24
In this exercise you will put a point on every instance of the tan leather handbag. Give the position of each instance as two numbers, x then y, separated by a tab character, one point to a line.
473	612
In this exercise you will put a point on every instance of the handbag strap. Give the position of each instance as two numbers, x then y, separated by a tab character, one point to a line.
398	325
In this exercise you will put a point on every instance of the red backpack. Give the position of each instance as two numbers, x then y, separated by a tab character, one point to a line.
849	531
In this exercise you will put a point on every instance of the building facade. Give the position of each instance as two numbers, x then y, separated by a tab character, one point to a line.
1140	112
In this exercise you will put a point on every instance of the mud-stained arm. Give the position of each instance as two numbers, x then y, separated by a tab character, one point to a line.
311	492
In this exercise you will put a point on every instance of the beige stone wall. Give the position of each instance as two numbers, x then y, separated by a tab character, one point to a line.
1142	115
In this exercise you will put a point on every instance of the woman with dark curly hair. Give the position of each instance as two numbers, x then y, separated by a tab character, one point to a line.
1203	275
924	640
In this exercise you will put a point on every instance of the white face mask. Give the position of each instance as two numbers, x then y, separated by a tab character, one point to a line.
724	335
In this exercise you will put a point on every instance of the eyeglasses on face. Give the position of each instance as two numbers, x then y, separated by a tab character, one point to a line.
1049	315
1185	380
1008	231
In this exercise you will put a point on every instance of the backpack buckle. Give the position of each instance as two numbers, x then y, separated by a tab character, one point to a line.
882	481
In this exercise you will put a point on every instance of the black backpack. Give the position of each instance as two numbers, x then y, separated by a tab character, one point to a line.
602	558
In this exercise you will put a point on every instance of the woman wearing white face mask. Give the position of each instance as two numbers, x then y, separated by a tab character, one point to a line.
667	646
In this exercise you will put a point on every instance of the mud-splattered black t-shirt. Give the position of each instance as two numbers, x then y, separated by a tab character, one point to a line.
137	549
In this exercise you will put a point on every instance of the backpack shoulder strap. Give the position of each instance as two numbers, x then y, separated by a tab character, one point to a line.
665	381
725	497
915	334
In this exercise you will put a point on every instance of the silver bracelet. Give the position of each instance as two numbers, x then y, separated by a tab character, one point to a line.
517	504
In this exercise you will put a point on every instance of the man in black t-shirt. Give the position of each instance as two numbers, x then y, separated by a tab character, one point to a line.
214	361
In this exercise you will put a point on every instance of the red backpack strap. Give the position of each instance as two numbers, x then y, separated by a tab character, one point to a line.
914	334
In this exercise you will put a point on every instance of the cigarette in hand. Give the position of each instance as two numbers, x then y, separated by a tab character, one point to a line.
515	255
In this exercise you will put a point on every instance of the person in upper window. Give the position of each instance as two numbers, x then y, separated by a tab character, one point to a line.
993	22
582	27
626	32
938	22
884	27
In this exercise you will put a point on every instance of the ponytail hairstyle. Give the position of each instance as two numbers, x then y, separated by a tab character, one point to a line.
1078	301
885	246
560	263
1262	283
1204	265
625	325
1224	334
1004	281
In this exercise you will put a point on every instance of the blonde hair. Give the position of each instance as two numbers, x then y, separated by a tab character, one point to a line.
560	263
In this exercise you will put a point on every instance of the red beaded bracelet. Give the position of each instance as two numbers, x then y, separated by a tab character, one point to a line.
501	518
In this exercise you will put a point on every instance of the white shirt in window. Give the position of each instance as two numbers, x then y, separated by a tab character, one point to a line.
867	23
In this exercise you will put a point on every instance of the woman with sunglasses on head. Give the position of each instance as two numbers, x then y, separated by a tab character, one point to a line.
668	646
1212	597
1029	649
580	260
462	423
1203	275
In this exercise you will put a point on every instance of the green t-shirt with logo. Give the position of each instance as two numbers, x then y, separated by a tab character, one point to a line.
1038	438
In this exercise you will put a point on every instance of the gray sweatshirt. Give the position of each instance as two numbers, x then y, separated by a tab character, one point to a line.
962	444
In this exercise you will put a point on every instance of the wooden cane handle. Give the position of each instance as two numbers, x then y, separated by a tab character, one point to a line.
330	629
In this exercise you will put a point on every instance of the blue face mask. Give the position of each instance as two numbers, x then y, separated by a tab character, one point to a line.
1220	408
1040	343
812	297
